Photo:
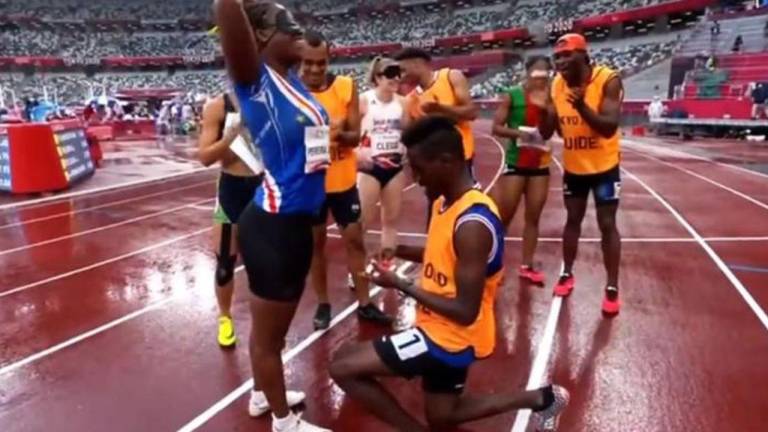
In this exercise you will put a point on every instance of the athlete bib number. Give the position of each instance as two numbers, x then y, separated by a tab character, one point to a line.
316	141
385	143
409	344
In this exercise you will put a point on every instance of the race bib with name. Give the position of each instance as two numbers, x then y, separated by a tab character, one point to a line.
385	143
317	140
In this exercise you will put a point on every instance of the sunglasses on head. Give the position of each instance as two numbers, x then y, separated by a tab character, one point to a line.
391	72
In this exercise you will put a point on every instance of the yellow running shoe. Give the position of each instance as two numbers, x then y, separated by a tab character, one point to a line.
227	338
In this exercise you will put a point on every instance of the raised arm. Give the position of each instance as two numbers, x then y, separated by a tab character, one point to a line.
465	108
238	43
606	120
210	148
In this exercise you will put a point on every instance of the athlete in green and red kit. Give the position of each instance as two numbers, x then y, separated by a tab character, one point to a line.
527	157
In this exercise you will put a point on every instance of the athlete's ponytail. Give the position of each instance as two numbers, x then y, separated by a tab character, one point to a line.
374	70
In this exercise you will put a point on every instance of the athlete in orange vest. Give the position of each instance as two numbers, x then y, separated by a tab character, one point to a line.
585	109
438	92
338	95
455	324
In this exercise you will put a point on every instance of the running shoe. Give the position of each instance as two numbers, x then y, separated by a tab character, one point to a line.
611	302
227	338
565	285
322	316
373	314
529	273
547	419
294	423
258	405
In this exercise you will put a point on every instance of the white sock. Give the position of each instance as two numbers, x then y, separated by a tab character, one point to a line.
258	395
282	423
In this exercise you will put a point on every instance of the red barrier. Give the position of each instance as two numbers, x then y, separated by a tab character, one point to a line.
713	108
43	157
139	129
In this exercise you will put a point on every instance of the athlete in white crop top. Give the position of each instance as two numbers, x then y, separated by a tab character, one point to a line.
381	154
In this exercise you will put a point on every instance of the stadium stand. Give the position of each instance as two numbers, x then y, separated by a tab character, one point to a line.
75	48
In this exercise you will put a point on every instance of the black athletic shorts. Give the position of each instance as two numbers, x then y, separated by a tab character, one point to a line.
344	206
411	354
511	170
605	186
234	194
277	251
385	175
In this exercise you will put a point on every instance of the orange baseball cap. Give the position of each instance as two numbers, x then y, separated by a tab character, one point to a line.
571	42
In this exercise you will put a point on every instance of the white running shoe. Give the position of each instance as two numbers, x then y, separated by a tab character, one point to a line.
547	420
259	406
294	423
406	315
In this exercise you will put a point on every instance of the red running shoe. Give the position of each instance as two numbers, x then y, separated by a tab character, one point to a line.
611	302
565	285
528	272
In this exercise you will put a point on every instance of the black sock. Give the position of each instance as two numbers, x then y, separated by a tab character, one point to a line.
547	397
612	293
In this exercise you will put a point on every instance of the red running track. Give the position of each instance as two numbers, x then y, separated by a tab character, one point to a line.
107	313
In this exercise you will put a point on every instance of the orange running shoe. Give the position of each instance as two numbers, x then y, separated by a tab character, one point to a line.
565	285
528	272
611	302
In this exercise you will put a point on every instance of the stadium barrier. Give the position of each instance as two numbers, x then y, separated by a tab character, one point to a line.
43	157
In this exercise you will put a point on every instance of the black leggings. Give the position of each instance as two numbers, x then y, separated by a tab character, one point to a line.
276	251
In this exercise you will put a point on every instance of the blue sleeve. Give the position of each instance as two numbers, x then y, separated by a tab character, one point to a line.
481	213
252	106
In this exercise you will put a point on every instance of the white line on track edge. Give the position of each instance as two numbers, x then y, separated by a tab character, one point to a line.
539	368
104	227
97	191
105	205
740	288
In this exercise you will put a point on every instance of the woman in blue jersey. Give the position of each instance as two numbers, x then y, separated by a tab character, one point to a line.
260	42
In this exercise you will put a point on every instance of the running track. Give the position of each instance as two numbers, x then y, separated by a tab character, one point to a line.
107	314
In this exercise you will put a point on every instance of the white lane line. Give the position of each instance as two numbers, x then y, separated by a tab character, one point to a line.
539	368
740	288
735	239
708	180
81	337
201	207
101	228
559	165
96	191
287	356
598	240
101	206
501	162
669	151
102	263
246	386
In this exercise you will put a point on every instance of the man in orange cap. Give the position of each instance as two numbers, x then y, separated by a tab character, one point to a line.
585	110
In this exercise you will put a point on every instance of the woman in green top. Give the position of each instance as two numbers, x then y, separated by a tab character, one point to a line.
527	156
